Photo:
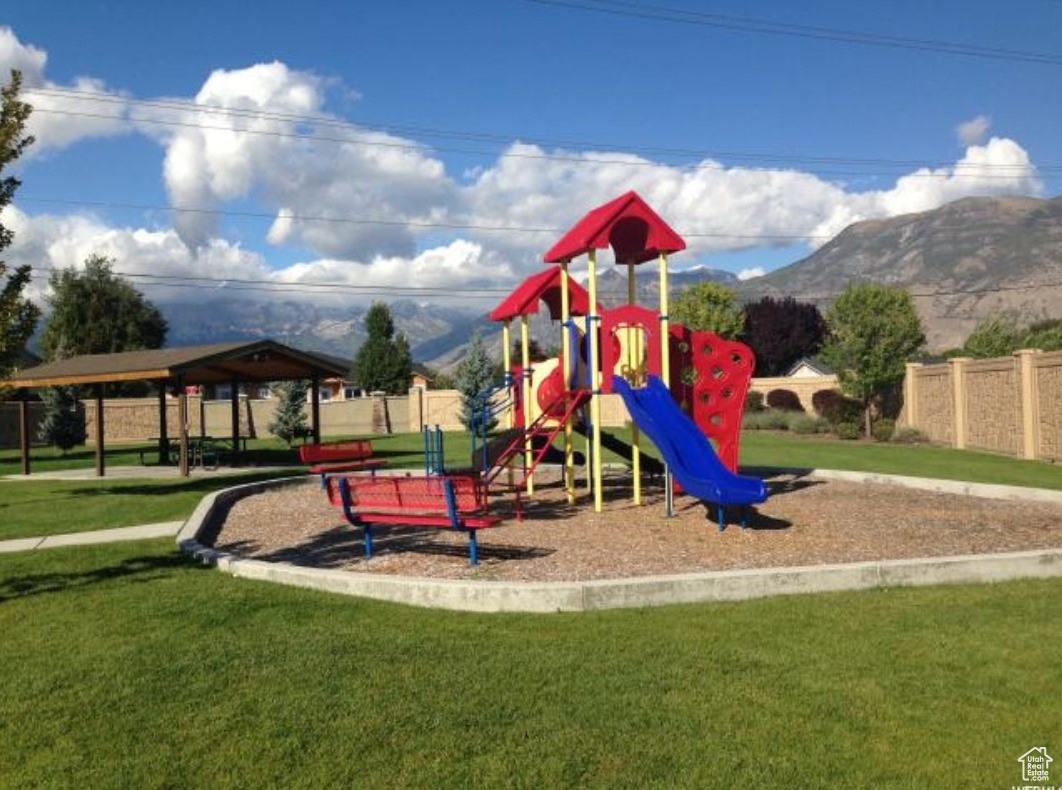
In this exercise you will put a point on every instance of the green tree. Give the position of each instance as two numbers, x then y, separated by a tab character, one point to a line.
94	311
996	335
383	362
63	425
709	306
1045	335
474	376
18	316
289	420
781	331
873	331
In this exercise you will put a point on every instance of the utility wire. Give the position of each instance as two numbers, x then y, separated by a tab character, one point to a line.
272	286
573	159
769	27
385	222
360	128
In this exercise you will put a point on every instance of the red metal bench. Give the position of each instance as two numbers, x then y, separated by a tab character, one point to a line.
350	450
332	457
451	502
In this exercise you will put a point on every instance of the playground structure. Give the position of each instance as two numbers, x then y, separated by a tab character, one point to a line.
661	370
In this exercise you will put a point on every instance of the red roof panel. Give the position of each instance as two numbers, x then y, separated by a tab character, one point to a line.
635	232
545	287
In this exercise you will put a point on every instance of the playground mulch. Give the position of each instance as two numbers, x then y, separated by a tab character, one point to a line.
805	522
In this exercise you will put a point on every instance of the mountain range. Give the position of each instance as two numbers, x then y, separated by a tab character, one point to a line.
961	261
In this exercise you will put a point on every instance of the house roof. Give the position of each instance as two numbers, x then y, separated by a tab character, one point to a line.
546	287
635	232
263	360
814	363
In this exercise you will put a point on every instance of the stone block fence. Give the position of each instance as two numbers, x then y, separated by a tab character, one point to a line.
1010	405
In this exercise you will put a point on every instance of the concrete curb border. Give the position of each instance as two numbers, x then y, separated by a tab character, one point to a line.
476	596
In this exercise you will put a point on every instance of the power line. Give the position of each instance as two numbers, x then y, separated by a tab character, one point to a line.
273	286
386	222
954	170
770	27
322	120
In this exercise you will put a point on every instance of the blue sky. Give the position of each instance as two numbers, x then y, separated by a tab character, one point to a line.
402	136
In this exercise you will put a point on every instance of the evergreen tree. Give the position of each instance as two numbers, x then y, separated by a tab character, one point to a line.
383	362
473	379
18	316
94	311
874	331
781	331
709	306
63	425
290	417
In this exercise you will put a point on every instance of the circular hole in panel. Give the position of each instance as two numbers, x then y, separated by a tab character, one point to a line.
707	349
716	419
718	373
705	397
727	393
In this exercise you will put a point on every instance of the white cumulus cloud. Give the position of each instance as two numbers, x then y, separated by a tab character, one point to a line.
973	131
62	114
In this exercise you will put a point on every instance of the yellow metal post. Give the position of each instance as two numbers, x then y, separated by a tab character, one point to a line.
633	354
525	357
510	412
566	360
665	370
595	381
507	361
665	357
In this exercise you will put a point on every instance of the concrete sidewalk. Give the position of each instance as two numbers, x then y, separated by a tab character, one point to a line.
166	529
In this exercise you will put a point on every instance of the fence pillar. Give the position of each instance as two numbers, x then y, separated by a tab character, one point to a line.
957	369
1030	404
910	394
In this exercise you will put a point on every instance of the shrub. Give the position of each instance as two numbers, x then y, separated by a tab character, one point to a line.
753	402
848	430
805	424
835	407
785	400
769	420
883	429
907	435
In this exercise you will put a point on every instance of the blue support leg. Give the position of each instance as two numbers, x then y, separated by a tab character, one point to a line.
368	541
722	518
473	548
744	516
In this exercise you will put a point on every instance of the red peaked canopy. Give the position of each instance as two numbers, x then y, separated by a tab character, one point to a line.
545	286
627	224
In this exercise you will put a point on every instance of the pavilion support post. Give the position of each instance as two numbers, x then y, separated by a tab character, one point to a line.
182	419
634	343
101	464
23	435
595	380
164	429
234	411
315	406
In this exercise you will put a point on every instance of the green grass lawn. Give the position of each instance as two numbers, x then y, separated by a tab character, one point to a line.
41	508
125	666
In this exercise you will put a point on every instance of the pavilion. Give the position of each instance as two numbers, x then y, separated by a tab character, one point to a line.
172	370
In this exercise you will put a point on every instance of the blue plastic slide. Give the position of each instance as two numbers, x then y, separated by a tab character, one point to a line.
688	452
